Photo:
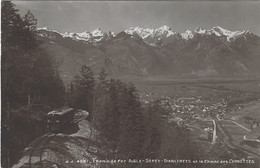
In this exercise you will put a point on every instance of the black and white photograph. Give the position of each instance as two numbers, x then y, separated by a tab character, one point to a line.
130	84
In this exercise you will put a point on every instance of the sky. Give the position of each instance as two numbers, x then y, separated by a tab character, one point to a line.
68	16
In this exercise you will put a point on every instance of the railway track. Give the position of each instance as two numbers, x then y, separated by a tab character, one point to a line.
37	150
241	152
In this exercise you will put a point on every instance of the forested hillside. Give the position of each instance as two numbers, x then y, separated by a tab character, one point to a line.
28	76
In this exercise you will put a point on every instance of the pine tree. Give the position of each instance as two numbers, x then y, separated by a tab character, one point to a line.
83	96
11	26
154	129
133	130
30	32
120	120
101	91
110	119
102	75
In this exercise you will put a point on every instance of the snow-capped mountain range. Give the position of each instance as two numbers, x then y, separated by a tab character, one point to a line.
165	34
165	31
161	51
93	36
219	31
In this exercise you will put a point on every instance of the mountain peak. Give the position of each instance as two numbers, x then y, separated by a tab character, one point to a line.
165	27
199	30
219	31
161	32
220	28
97	32
142	32
187	35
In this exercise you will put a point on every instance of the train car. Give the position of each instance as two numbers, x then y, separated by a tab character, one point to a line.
58	119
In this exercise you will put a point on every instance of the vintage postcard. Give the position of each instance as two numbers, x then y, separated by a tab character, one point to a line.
130	84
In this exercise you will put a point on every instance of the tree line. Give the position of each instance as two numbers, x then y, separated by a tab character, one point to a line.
128	129
28	75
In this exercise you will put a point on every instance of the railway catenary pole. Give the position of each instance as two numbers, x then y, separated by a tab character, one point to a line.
214	132
8	131
93	111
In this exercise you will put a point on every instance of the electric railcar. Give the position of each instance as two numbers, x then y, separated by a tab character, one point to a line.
58	119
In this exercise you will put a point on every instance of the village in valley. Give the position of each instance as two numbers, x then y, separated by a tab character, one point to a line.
235	111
